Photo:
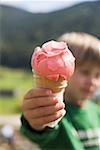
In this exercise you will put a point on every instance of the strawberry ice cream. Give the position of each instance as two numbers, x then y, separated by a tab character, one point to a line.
53	60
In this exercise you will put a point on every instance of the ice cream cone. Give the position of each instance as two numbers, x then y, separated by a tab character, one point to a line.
52	66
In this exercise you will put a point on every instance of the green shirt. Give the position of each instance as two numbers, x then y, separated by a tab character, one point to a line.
72	133
86	121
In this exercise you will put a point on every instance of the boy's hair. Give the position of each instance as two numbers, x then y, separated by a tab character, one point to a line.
85	47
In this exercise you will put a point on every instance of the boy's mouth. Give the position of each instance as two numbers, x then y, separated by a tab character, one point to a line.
87	91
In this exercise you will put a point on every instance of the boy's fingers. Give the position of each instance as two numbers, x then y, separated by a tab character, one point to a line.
36	92
46	119
38	102
41	112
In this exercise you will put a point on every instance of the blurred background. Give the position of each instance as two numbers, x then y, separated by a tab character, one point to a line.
25	24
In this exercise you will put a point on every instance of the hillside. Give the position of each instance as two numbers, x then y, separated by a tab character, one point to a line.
21	31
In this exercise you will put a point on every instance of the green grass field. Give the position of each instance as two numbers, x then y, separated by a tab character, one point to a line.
19	81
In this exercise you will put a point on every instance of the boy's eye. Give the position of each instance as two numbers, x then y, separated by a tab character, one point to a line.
98	75
84	72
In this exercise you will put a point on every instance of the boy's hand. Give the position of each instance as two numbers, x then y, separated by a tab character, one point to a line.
41	107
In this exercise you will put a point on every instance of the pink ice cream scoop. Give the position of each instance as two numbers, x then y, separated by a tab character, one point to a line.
53	61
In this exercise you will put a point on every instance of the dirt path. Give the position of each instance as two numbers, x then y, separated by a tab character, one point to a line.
13	120
19	142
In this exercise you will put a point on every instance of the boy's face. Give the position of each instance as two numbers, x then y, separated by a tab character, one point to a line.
84	82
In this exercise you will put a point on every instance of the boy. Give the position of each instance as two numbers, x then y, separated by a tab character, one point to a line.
80	127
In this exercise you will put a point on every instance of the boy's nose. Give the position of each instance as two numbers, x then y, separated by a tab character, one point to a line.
92	81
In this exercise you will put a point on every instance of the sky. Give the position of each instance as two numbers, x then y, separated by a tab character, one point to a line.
41	6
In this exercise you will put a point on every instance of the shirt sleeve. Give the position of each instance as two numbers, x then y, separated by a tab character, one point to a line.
38	137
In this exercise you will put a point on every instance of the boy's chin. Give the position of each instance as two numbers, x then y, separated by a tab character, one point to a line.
85	97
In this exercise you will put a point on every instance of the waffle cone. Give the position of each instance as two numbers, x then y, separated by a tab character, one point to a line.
55	86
